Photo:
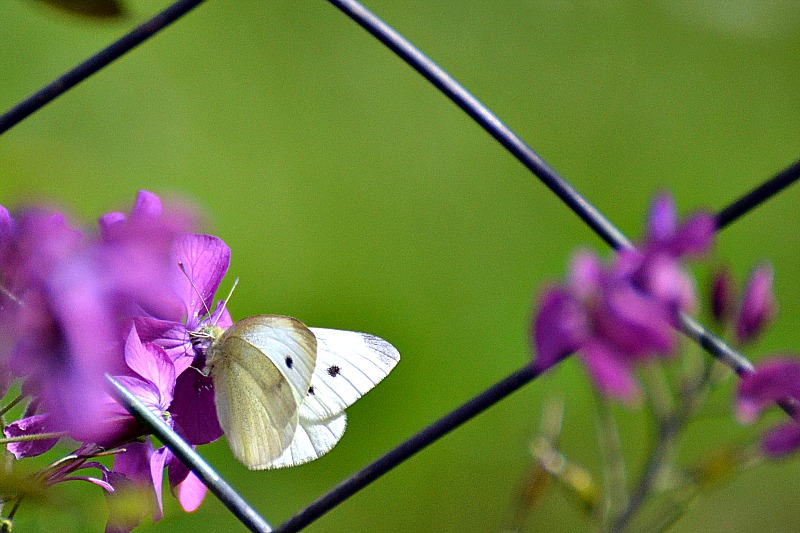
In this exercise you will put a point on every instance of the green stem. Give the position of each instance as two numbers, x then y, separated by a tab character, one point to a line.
11	404
613	463
37	436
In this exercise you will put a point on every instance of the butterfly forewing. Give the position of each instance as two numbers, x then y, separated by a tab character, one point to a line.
348	365
261	367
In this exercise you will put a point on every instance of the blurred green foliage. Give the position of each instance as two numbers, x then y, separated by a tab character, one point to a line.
355	196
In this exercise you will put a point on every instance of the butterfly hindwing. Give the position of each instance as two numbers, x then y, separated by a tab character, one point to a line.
312	439
348	365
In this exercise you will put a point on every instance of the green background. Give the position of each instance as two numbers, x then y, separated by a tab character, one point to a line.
355	196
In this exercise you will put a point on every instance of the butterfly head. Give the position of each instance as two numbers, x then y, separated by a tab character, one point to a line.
205	336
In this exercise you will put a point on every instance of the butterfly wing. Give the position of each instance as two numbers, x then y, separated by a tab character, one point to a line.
261	367
312	439
348	365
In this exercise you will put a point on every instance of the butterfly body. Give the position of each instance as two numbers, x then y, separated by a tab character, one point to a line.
281	388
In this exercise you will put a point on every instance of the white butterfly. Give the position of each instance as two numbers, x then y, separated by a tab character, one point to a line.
281	388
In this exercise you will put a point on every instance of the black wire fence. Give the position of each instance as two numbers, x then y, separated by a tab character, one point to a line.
449	87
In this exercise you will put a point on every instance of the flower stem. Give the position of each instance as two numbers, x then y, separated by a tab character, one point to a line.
11	404
661	450
616	496
34	437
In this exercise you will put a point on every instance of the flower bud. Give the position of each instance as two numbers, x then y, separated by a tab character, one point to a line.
758	304
722	295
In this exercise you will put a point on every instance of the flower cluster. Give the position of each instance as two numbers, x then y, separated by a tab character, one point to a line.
621	314
75	306
777	377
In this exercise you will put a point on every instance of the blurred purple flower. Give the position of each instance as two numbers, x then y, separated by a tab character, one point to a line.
656	267
67	299
620	315
723	294
775	379
758	306
152	381
604	317
692	237
561	326
70	308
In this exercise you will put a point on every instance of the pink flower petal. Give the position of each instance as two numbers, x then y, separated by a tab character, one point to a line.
560	328
696	235
32	425
151	363
772	380
758	304
206	260
194	410
171	336
663	220
110	221
636	324
782	440
586	274
147	206
612	376
722	295
134	462
191	493
157	461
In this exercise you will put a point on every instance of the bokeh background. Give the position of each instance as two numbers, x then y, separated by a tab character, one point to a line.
355	196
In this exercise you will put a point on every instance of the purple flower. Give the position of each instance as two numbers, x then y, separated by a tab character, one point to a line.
187	487
773	380
758	304
621	315
151	377
656	266
57	321
723	294
561	326
67	299
74	306
32	425
205	260
612	324
692	237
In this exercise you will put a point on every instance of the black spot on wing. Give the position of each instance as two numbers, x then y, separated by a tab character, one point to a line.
289	362
333	371
311	391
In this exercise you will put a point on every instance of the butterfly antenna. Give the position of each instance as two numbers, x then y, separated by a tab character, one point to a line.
225	301
191	281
